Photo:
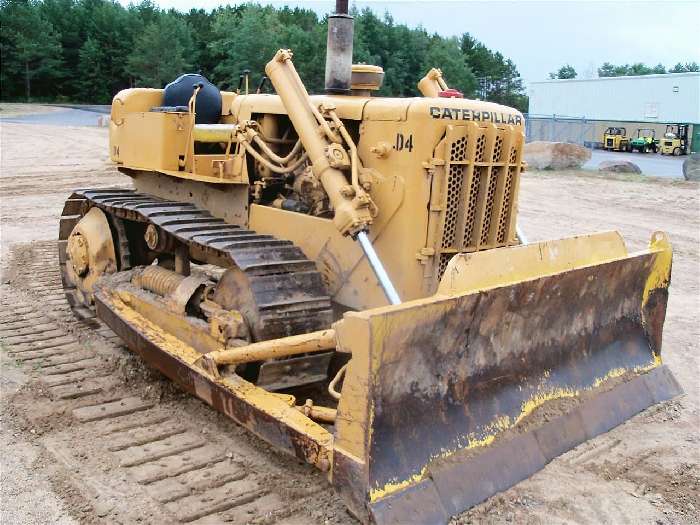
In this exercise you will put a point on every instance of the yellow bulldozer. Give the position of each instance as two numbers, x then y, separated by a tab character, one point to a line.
344	275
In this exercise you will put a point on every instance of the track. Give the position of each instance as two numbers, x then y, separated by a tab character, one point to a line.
134	447
288	291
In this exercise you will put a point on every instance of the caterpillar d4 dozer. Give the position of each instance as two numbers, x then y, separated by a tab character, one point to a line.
341	274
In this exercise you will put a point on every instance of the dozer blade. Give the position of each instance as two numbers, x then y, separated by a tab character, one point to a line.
523	353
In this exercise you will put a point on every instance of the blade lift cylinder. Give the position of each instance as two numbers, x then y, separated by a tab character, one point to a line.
352	213
378	268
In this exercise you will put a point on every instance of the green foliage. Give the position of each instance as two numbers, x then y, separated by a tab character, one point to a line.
29	49
88	50
610	70
162	52
688	67
564	72
445	54
91	86
245	39
497	77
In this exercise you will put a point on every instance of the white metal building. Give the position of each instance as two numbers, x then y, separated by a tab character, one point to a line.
649	98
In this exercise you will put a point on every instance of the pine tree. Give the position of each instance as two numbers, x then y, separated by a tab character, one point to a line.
688	67
162	52
91	87
497	77
244	40
30	51
564	72
445	54
88	50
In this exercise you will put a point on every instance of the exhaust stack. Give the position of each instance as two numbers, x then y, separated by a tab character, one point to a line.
339	49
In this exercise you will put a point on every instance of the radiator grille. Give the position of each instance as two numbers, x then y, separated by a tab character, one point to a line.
482	168
455	180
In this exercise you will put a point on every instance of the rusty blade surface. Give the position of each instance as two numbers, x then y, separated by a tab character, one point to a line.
466	479
454	379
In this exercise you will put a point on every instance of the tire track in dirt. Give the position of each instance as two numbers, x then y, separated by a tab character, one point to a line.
136	448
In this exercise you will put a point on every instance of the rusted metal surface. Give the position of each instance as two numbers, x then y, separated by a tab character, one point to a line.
473	379
465	480
248	412
495	351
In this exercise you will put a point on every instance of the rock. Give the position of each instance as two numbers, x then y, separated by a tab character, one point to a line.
619	166
691	167
542	155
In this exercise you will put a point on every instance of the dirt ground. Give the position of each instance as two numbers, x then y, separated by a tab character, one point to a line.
17	110
122	445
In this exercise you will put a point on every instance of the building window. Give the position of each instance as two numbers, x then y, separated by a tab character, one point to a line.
675	89
651	110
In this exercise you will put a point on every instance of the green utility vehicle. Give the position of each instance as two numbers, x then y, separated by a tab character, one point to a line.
645	141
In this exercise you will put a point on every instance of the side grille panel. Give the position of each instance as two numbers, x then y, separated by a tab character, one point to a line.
482	167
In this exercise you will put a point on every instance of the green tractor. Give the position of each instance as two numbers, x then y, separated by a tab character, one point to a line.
645	141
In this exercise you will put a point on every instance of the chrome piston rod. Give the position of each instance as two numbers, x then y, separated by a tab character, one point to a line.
378	268
521	235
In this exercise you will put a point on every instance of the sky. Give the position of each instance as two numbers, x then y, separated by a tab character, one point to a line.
541	36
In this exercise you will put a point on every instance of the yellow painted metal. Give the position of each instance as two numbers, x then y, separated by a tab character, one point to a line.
470	272
193	333
404	150
671	144
152	140
660	274
318	413
432	83
436	183
366	78
215	133
354	421
150	323
616	139
158	280
348	277
276	348
91	254
226	201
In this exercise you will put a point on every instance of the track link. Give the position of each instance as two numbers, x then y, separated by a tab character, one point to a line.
287	288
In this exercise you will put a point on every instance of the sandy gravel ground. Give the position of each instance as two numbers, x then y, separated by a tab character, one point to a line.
40	167
25	491
645	471
18	110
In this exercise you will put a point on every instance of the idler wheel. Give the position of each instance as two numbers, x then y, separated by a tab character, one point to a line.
90	253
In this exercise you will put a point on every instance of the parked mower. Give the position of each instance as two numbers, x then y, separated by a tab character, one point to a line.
645	141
